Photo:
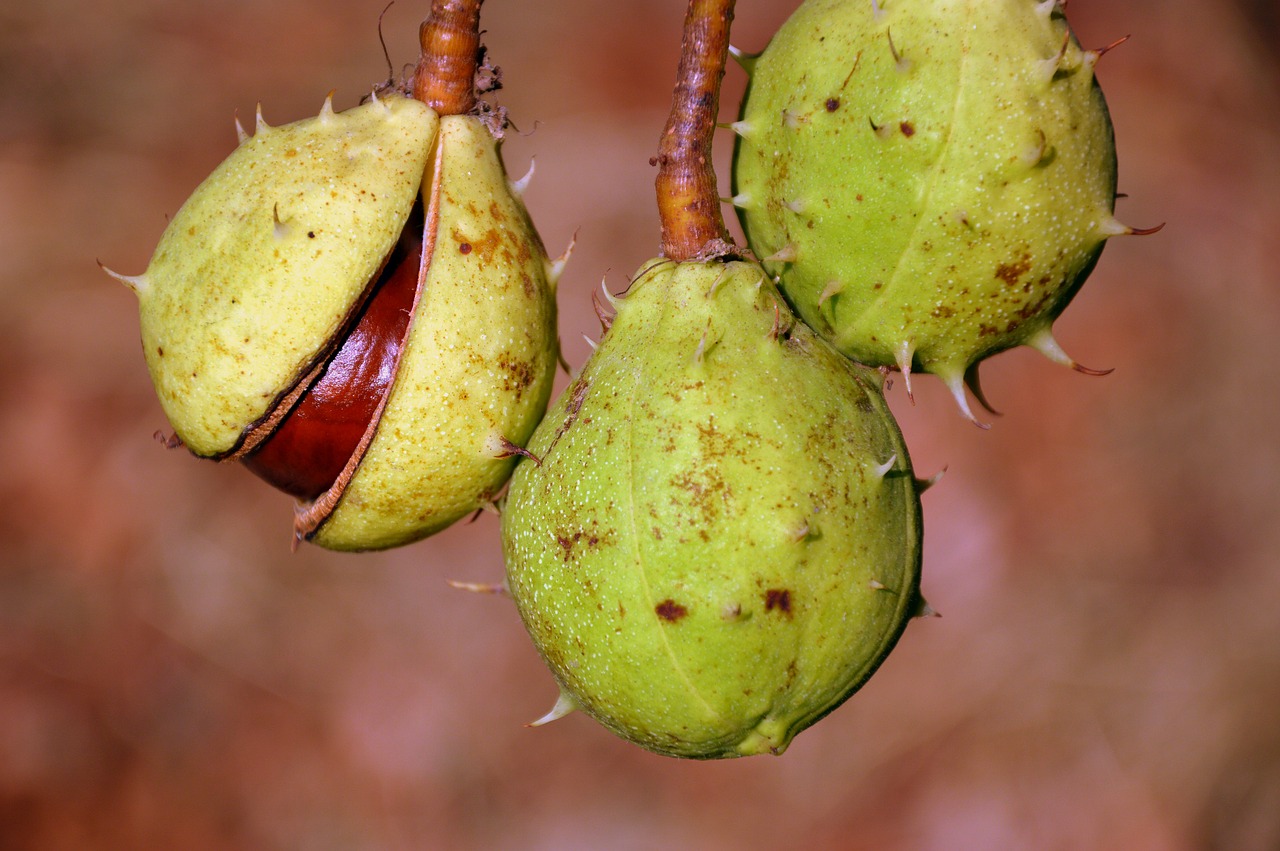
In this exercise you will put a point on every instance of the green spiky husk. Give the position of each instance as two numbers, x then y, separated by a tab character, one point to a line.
720	541
937	180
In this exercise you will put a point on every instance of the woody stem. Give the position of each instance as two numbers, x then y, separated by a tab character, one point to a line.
445	77
688	199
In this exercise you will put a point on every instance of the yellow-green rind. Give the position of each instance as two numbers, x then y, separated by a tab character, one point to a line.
478	364
722	539
938	175
259	269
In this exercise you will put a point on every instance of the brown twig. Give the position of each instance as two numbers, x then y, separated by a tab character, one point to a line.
445	77
688	200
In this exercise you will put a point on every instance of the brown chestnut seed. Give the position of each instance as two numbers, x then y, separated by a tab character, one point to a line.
313	442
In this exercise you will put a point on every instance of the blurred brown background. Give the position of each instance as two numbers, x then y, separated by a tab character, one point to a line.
1107	558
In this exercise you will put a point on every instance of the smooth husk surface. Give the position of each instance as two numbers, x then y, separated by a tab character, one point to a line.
721	539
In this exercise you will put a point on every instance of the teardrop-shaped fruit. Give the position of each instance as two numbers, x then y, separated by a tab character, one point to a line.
718	538
932	180
373	361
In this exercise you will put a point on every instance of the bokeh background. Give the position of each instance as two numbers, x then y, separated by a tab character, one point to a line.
1106	673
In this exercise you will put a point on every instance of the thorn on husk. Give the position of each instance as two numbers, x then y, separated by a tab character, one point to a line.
556	268
955	383
500	447
785	254
903	63
1111	226
975	387
326	109
137	283
499	588
923	609
605	317
170	442
1045	344
518	187
565	704
923	485
701	352
746	60
905	355
1091	57
1049	67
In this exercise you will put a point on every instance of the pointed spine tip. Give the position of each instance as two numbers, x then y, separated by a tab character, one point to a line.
882	131
701	351
496	588
884	469
900	61
974	383
1034	154
747	61
565	705
1091	57
499	447
1045	344
326	109
741	128
800	533
260	124
904	356
742	200
171	441
279	228
785	254
137	283
724	275
1112	226
1050	67
956	384
830	291
605	317
519	187
556	267
923	485
241	135
923	609
782	324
